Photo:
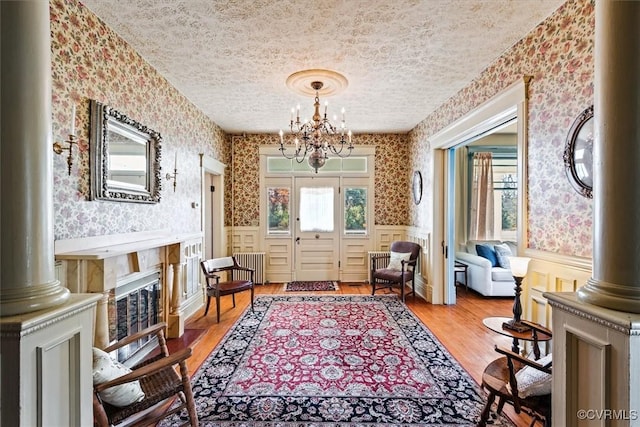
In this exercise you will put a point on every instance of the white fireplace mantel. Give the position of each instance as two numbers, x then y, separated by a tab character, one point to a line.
100	247
99	264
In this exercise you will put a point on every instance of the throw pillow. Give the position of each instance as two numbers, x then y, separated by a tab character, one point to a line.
105	368
503	251
533	382
487	252
396	260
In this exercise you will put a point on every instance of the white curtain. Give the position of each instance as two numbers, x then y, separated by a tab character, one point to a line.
481	220
316	209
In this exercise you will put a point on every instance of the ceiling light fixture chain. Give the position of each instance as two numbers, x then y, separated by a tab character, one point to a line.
318	137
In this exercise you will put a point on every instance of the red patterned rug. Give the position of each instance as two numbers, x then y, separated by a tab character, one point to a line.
333	361
318	285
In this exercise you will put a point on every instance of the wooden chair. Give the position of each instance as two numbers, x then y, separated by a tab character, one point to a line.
500	380
213	268
384	277
159	381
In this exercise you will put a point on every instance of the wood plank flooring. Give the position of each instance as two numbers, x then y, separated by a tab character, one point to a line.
459	327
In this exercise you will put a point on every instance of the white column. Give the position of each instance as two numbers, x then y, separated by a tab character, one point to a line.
176	318
176	288
101	330
27	275
616	191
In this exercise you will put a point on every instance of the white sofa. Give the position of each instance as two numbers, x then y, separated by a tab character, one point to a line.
482	277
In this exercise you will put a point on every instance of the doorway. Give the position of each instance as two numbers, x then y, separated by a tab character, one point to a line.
508	105
331	238
212	212
317	228
491	201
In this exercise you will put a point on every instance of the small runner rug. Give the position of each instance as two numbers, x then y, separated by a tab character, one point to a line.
344	360
322	285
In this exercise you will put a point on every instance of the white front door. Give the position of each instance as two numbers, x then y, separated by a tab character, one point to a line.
317	229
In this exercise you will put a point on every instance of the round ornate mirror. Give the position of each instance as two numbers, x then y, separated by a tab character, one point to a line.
578	153
416	187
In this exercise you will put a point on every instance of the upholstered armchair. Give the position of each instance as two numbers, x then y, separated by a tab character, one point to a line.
396	269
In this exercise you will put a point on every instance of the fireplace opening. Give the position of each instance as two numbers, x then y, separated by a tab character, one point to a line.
135	304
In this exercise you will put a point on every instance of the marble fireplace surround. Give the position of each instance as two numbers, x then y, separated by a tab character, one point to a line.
100	264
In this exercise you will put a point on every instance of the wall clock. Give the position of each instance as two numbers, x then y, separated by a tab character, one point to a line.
416	186
578	153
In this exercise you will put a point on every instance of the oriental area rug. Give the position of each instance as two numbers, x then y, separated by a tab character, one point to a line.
309	286
333	361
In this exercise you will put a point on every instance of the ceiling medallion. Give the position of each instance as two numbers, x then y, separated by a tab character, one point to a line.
319	136
301	82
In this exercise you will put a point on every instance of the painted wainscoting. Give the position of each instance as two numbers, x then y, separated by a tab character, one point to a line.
353	252
48	355
424	286
550	272
596	368
278	251
387	234
245	239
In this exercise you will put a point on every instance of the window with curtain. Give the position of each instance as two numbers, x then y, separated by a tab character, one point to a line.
316	209
481	220
500	183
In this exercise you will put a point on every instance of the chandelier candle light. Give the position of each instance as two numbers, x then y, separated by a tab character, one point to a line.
318	137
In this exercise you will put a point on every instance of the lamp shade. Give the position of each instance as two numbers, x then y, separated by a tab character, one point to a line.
519	265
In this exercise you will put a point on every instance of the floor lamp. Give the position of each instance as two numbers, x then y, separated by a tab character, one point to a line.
519	266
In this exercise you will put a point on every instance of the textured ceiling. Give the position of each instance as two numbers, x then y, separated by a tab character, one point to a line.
402	58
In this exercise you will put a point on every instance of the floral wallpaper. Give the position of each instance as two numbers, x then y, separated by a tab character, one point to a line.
392	193
558	53
90	61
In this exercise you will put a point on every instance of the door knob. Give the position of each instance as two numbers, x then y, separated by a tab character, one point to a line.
297	240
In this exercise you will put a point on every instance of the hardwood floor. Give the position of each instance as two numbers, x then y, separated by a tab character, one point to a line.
459	327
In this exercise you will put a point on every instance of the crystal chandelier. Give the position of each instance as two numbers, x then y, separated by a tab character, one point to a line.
316	138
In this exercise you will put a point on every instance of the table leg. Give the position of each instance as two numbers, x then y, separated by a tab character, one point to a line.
516	346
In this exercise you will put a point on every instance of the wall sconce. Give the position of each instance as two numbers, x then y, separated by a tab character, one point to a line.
73	139
174	175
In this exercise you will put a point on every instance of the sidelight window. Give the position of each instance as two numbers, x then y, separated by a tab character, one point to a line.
355	210
278	210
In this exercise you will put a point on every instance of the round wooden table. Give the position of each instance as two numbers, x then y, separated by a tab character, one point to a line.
495	324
